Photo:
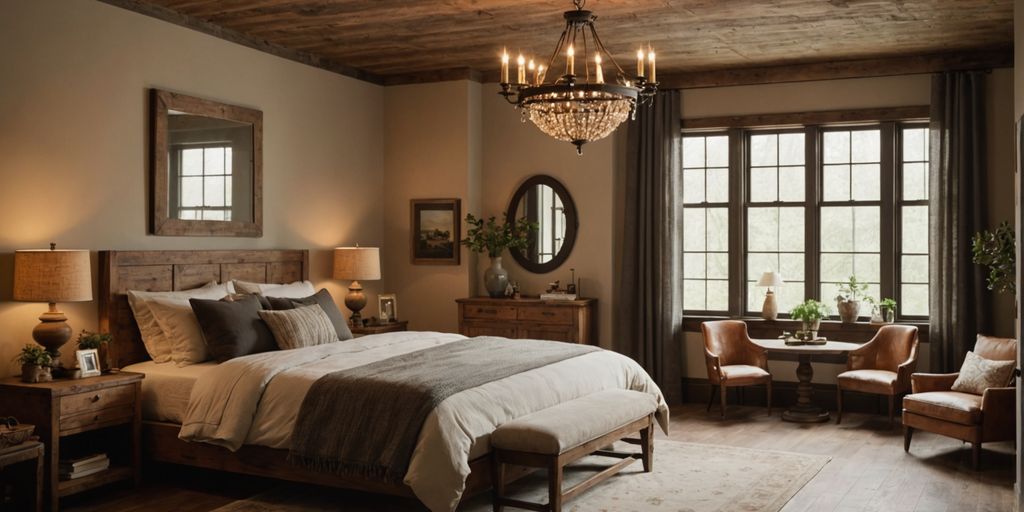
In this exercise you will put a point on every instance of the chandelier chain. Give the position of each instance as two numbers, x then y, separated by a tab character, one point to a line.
580	4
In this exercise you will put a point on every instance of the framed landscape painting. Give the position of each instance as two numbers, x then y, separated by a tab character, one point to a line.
435	231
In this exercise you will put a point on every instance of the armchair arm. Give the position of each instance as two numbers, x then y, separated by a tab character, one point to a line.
759	353
714	367
998	407
905	370
925	382
863	357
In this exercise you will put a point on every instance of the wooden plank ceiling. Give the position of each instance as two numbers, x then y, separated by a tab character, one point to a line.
393	41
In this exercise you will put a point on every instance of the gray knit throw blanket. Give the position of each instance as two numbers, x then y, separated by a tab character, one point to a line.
365	421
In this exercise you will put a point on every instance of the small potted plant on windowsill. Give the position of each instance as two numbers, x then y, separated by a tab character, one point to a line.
888	306
810	313
100	341
848	300
35	364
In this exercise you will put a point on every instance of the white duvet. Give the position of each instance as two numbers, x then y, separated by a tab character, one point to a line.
255	400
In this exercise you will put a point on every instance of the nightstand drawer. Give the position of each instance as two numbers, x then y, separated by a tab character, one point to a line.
71	405
550	315
491	312
101	418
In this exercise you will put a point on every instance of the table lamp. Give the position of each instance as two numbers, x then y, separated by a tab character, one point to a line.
52	276
770	309
355	264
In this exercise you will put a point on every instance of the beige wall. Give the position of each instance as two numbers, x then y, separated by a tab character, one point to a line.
73	111
431	150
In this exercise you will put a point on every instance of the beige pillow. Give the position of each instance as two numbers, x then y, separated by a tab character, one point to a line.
300	327
181	327
296	290
157	344
978	374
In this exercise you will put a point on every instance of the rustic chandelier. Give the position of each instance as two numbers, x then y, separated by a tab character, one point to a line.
579	108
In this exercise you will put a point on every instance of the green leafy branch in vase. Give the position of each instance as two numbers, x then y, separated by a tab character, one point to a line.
493	238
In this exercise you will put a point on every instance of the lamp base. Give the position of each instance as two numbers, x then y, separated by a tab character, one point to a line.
355	301
53	331
770	309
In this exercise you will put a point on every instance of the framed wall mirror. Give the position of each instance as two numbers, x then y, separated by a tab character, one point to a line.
545	201
207	167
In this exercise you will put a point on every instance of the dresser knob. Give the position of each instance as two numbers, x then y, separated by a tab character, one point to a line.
95	398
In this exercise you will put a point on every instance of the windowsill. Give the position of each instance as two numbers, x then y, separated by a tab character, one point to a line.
760	327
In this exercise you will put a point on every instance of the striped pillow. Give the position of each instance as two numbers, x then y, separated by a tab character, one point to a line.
300	327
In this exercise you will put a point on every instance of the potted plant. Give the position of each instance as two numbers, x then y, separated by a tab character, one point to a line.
810	312
888	306
995	249
99	341
848	300
35	364
493	238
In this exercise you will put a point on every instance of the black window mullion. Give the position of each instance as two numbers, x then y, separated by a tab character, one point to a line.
737	223
889	273
812	233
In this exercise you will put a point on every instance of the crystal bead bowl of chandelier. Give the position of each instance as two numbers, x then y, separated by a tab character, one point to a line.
578	105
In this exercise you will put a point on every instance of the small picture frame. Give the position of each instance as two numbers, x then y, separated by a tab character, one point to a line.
387	307
89	362
436	230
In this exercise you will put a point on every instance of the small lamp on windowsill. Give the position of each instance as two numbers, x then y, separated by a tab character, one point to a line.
770	309
52	276
355	264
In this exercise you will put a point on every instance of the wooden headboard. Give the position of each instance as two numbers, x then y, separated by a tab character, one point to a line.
159	271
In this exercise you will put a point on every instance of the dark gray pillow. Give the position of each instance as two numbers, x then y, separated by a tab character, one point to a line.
321	298
233	328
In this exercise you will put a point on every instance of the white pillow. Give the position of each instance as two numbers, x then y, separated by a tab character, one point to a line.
296	290
978	374
157	344
181	327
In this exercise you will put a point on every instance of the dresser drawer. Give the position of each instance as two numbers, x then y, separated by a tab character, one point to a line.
490	312
503	331
558	315
547	332
103	417
95	400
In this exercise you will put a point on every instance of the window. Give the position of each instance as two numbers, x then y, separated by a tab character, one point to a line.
706	223
204	183
818	204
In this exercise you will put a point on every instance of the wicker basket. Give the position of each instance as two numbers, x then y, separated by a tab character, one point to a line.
13	433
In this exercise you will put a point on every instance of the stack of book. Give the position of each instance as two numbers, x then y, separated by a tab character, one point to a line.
83	466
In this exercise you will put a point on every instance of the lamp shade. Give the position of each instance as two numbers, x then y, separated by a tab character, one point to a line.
357	263
44	275
771	279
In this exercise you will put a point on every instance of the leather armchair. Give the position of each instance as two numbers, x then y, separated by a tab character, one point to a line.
733	360
934	407
881	366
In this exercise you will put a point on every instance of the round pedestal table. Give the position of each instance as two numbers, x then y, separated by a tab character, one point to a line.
805	411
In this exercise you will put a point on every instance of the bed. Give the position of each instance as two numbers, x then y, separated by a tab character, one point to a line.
259	446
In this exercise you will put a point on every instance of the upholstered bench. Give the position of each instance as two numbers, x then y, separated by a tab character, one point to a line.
557	436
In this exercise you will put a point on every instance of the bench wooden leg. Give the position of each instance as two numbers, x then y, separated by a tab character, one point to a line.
497	483
647	446
555	485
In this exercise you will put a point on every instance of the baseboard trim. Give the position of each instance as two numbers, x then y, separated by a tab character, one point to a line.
696	390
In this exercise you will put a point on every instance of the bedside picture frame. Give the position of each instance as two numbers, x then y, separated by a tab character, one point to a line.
387	307
435	226
89	362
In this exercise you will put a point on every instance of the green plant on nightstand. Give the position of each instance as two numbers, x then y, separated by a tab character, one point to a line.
35	364
810	312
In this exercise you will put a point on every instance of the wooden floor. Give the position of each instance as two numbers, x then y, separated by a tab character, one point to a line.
869	470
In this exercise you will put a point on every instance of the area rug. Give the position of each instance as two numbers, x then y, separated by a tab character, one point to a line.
687	477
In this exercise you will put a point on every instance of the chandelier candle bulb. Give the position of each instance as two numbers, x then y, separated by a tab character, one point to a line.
521	75
504	67
640	63
571	61
532	68
597	65
650	62
540	74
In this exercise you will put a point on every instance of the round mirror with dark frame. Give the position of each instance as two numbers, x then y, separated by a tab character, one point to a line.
545	201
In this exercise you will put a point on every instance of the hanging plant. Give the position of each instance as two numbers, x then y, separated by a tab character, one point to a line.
996	250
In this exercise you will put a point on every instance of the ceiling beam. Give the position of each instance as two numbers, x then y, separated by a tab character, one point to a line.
199	25
832	70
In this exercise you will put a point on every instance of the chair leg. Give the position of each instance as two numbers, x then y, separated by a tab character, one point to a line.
711	396
769	393
721	403
839	405
892	409
976	455
647	446
908	432
555	486
497	483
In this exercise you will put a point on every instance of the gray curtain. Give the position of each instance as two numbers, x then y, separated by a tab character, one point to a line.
650	277
959	302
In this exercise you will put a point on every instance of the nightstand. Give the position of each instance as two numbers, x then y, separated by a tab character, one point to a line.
396	326
78	417
22	466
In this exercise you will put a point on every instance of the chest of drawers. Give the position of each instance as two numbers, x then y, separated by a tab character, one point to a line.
569	321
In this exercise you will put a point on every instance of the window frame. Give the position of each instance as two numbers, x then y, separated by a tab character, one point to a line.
890	203
899	203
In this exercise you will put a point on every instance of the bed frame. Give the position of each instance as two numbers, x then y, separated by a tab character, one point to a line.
121	271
